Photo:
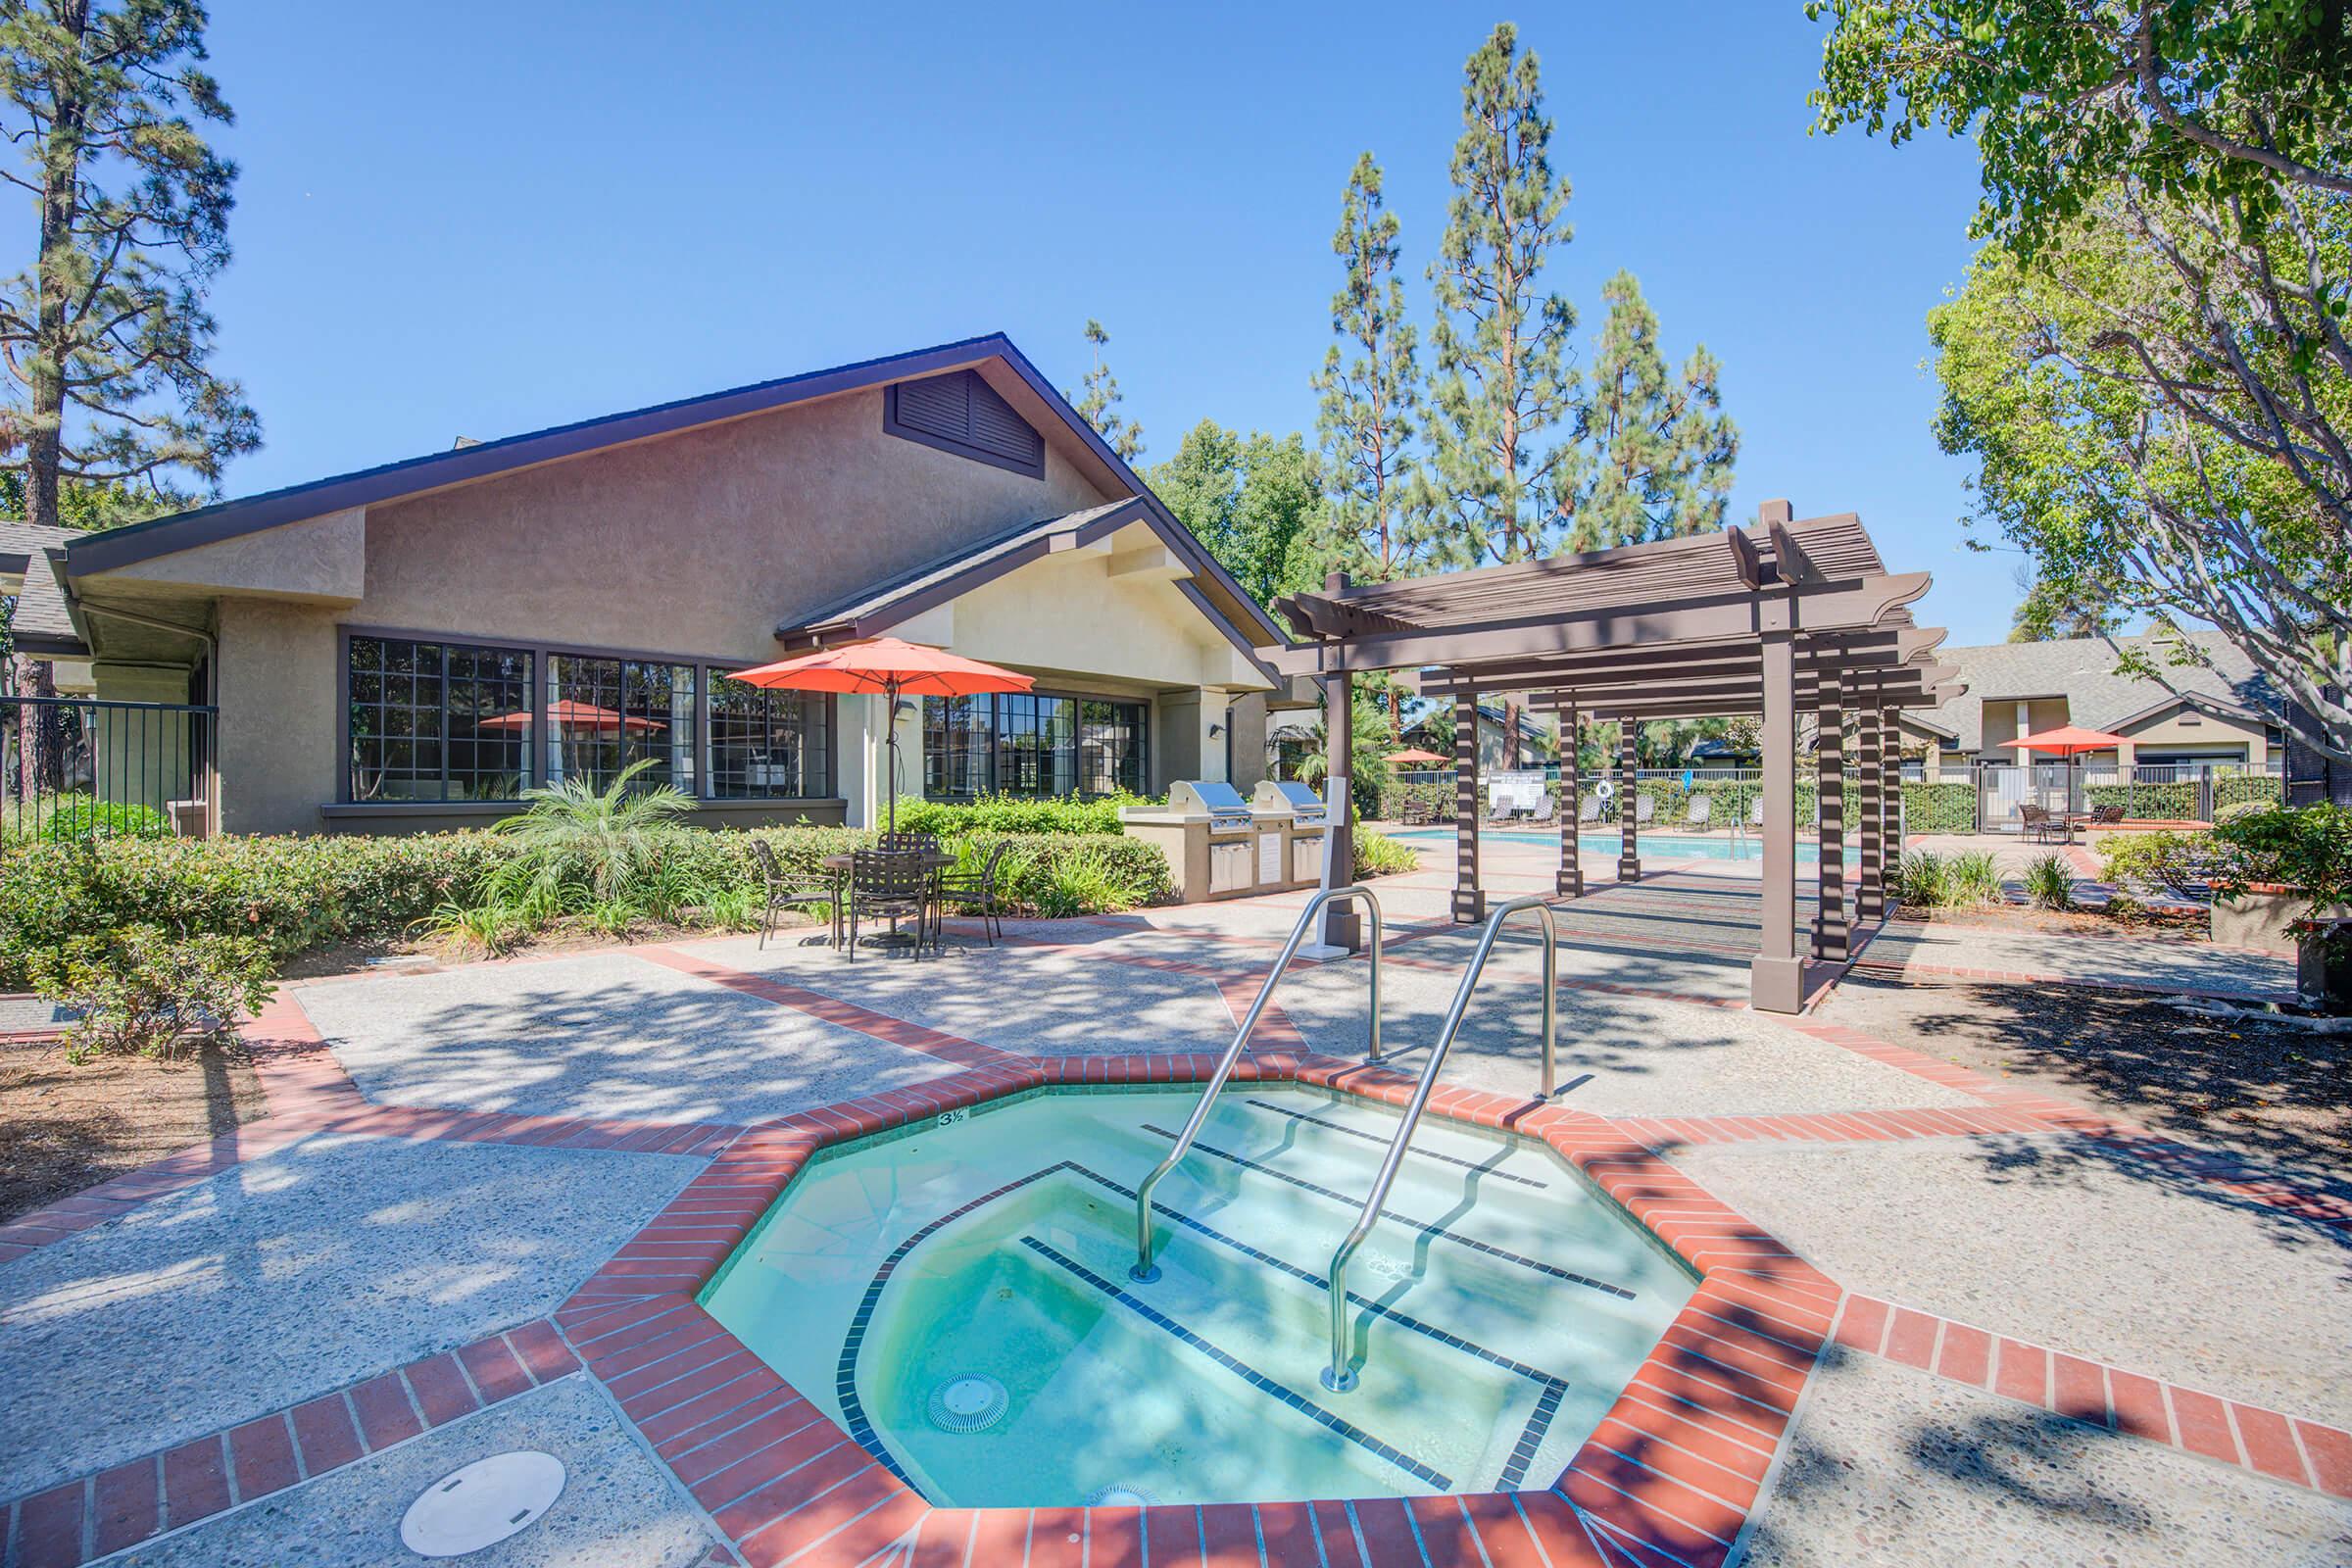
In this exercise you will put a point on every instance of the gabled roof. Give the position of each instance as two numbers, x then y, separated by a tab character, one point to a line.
1232	608
40	625
2082	669
874	610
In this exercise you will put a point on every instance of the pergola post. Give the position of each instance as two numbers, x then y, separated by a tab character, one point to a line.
1869	884
1570	882
1828	794
1777	982
1890	796
1469	898
1342	926
1629	794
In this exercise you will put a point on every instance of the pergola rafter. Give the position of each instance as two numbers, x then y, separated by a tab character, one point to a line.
1759	621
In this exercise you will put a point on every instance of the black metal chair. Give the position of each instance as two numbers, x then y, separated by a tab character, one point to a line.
909	841
889	885
787	892
978	887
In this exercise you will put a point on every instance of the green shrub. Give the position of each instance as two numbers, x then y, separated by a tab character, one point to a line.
65	818
2181	864
1013	813
143	988
2050	882
1921	879
2305	847
575	837
1973	879
1378	855
2179	801
1939	808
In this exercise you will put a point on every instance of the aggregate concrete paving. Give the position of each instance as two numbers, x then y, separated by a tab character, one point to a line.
2053	1240
605	1034
291	1275
619	1508
1888	1466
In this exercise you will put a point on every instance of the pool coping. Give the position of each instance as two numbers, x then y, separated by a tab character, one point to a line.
1671	1471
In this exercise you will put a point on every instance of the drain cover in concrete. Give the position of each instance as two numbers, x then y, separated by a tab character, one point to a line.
482	1503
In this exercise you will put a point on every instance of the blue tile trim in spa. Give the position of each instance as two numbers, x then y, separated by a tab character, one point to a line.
1550	1390
1417	1153
1438	1231
1247	1373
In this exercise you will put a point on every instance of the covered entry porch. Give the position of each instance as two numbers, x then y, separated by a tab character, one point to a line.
1789	618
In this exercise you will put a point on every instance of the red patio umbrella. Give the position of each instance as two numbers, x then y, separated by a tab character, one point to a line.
568	714
2069	742
1413	756
893	668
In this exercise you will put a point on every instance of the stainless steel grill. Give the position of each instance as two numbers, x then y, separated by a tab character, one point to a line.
1304	805
1192	799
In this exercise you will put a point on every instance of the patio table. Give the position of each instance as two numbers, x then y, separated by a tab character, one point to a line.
935	862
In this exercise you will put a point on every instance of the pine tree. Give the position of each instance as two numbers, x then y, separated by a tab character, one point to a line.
1653	451
1097	402
1503	380
106	339
1371	398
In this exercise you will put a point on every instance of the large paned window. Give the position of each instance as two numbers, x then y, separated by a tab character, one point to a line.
604	714
1029	743
766	744
437	721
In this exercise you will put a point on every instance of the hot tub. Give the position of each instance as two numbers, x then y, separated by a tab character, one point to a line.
957	1296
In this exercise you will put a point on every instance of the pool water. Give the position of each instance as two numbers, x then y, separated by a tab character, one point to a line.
1652	846
958	1299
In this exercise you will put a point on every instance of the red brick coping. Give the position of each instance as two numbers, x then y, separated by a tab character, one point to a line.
1672	1470
86	1518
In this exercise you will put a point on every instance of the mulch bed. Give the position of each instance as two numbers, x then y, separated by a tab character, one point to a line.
2260	1086
69	1127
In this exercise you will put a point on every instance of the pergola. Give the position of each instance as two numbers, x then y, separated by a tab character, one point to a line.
1765	621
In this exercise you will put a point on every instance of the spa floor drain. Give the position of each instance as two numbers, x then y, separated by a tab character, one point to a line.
969	1403
1121	1497
482	1503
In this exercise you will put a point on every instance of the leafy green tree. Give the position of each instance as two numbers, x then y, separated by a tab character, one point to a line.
2149	358
1255	503
1653	450
2045	614
1099	398
106	339
1371	398
1503	384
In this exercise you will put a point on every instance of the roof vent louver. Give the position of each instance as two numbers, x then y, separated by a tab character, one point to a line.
961	413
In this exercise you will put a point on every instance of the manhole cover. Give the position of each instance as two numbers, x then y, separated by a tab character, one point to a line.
482	1503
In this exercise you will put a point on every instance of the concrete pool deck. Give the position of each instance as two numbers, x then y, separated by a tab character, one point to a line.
2035	1332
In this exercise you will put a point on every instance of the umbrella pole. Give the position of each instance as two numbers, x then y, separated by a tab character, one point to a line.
889	733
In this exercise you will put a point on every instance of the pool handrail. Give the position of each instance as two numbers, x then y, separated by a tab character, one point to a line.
1143	1271
1339	1377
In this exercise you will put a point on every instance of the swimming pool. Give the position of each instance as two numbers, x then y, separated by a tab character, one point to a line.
958	1298
1652	846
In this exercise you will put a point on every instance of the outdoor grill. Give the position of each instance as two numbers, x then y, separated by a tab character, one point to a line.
1194	798
1305	807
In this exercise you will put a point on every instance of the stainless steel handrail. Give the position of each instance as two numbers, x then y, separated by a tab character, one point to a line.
1339	1377
1143	1271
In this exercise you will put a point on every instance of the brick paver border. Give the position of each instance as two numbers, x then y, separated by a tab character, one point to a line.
93	1515
2290	1448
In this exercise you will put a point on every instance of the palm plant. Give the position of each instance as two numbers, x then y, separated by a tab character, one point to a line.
2050	882
601	840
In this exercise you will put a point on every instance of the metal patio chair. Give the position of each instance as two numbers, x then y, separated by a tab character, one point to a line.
1701	811
887	884
784	892
977	888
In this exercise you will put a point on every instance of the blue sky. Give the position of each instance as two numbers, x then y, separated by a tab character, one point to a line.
479	219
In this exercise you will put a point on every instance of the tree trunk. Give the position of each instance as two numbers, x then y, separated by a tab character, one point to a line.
61	169
1510	733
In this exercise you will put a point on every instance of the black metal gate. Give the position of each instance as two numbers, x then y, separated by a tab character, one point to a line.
77	767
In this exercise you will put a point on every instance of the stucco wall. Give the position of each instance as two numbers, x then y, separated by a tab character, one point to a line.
699	543
279	731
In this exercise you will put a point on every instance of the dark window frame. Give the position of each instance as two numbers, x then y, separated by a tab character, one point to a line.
444	641
540	656
892	424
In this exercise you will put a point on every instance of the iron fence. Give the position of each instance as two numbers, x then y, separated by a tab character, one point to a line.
78	768
2145	790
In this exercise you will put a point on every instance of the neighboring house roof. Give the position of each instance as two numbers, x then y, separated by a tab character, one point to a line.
2082	670
120	547
40	625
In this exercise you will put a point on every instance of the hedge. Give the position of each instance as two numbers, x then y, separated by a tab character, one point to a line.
1942	808
298	894
1013	813
2178	801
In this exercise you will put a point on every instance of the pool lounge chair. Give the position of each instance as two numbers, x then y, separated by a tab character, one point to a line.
1646	809
1701	812
1589	812
1544	808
